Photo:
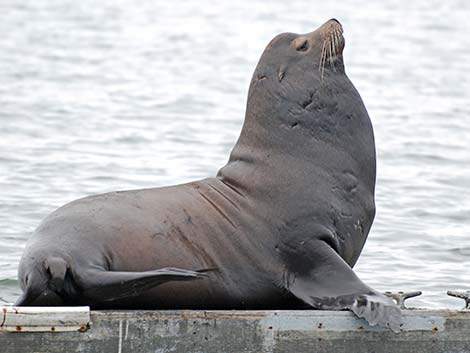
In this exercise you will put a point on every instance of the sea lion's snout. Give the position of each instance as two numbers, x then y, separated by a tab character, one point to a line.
334	20
333	43
332	34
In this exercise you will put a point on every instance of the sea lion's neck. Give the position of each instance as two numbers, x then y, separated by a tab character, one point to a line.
267	163
294	139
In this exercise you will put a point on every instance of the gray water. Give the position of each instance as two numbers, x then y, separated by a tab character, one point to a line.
108	95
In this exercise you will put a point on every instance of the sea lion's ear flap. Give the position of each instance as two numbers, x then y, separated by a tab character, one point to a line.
56	267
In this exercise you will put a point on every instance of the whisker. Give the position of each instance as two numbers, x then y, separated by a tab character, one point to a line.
325	55
338	33
335	35
321	66
338	42
330	48
335	43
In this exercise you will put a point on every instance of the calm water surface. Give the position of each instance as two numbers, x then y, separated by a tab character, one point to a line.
108	95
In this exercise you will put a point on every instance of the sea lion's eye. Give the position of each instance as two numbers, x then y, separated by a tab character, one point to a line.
301	44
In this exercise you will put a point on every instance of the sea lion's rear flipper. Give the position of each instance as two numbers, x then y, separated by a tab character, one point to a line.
321	278
113	285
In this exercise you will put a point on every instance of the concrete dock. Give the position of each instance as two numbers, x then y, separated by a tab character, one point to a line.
80	330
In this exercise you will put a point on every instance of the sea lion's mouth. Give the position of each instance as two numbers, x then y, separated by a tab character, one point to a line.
333	44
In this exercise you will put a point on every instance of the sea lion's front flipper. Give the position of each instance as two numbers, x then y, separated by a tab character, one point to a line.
113	285
321	278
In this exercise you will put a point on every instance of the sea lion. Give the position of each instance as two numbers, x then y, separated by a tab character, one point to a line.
279	227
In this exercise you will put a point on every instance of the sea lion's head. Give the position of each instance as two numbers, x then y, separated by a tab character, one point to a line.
300	81
314	54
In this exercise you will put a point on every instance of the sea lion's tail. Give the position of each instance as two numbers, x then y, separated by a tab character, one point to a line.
59	287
